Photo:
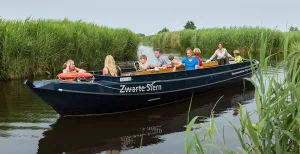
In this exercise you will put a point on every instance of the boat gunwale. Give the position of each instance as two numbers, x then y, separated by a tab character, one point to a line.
166	80
138	75
130	94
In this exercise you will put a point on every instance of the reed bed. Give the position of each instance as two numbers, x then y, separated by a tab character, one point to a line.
276	129
242	38
33	47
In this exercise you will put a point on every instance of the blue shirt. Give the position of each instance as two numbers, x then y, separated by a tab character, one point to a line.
190	65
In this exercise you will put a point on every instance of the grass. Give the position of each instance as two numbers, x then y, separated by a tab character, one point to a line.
34	47
242	38
277	107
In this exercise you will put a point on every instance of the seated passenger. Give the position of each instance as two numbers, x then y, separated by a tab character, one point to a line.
222	55
69	67
197	52
190	62
160	59
174	62
237	57
110	67
143	65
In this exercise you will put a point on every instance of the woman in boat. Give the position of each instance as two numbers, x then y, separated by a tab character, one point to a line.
110	67
197	52
222	55
237	57
143	65
190	62
69	67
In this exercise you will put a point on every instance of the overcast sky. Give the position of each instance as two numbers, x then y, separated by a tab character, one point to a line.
151	16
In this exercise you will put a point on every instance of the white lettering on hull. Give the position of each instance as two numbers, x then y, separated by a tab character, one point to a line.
139	88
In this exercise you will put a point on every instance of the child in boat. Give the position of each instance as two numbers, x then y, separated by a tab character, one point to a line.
174	62
197	52
237	57
143	65
69	67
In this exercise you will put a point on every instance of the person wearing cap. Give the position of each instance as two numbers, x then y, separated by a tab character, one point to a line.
237	57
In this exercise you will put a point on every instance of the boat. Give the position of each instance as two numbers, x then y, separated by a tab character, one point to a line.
98	134
136	90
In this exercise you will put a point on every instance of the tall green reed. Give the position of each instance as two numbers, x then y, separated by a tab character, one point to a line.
277	110
39	46
242	38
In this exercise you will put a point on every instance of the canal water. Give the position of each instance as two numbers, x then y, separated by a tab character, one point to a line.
29	126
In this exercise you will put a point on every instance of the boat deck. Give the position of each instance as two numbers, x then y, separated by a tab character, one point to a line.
166	70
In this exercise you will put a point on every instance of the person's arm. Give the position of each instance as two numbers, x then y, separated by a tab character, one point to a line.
65	71
157	65
144	67
196	64
227	53
80	70
240	59
104	71
212	57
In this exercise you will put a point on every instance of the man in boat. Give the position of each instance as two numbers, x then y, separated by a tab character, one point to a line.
161	60
190	62
69	67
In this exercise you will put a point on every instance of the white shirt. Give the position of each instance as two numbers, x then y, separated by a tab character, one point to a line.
143	65
219	54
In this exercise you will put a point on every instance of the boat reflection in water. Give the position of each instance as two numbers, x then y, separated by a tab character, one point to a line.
116	133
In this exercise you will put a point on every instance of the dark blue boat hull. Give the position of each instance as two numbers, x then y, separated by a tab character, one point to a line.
105	98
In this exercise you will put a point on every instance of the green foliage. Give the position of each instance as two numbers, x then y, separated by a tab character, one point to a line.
277	107
292	29
141	34
243	39
39	46
190	25
163	30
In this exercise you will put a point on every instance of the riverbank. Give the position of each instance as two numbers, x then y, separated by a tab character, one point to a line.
242	38
39	47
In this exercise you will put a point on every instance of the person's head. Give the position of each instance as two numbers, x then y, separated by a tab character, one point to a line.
220	45
157	52
70	64
143	59
109	61
110	65
236	53
171	57
197	51
64	66
189	52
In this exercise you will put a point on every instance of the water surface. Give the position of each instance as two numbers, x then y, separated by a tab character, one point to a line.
29	126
